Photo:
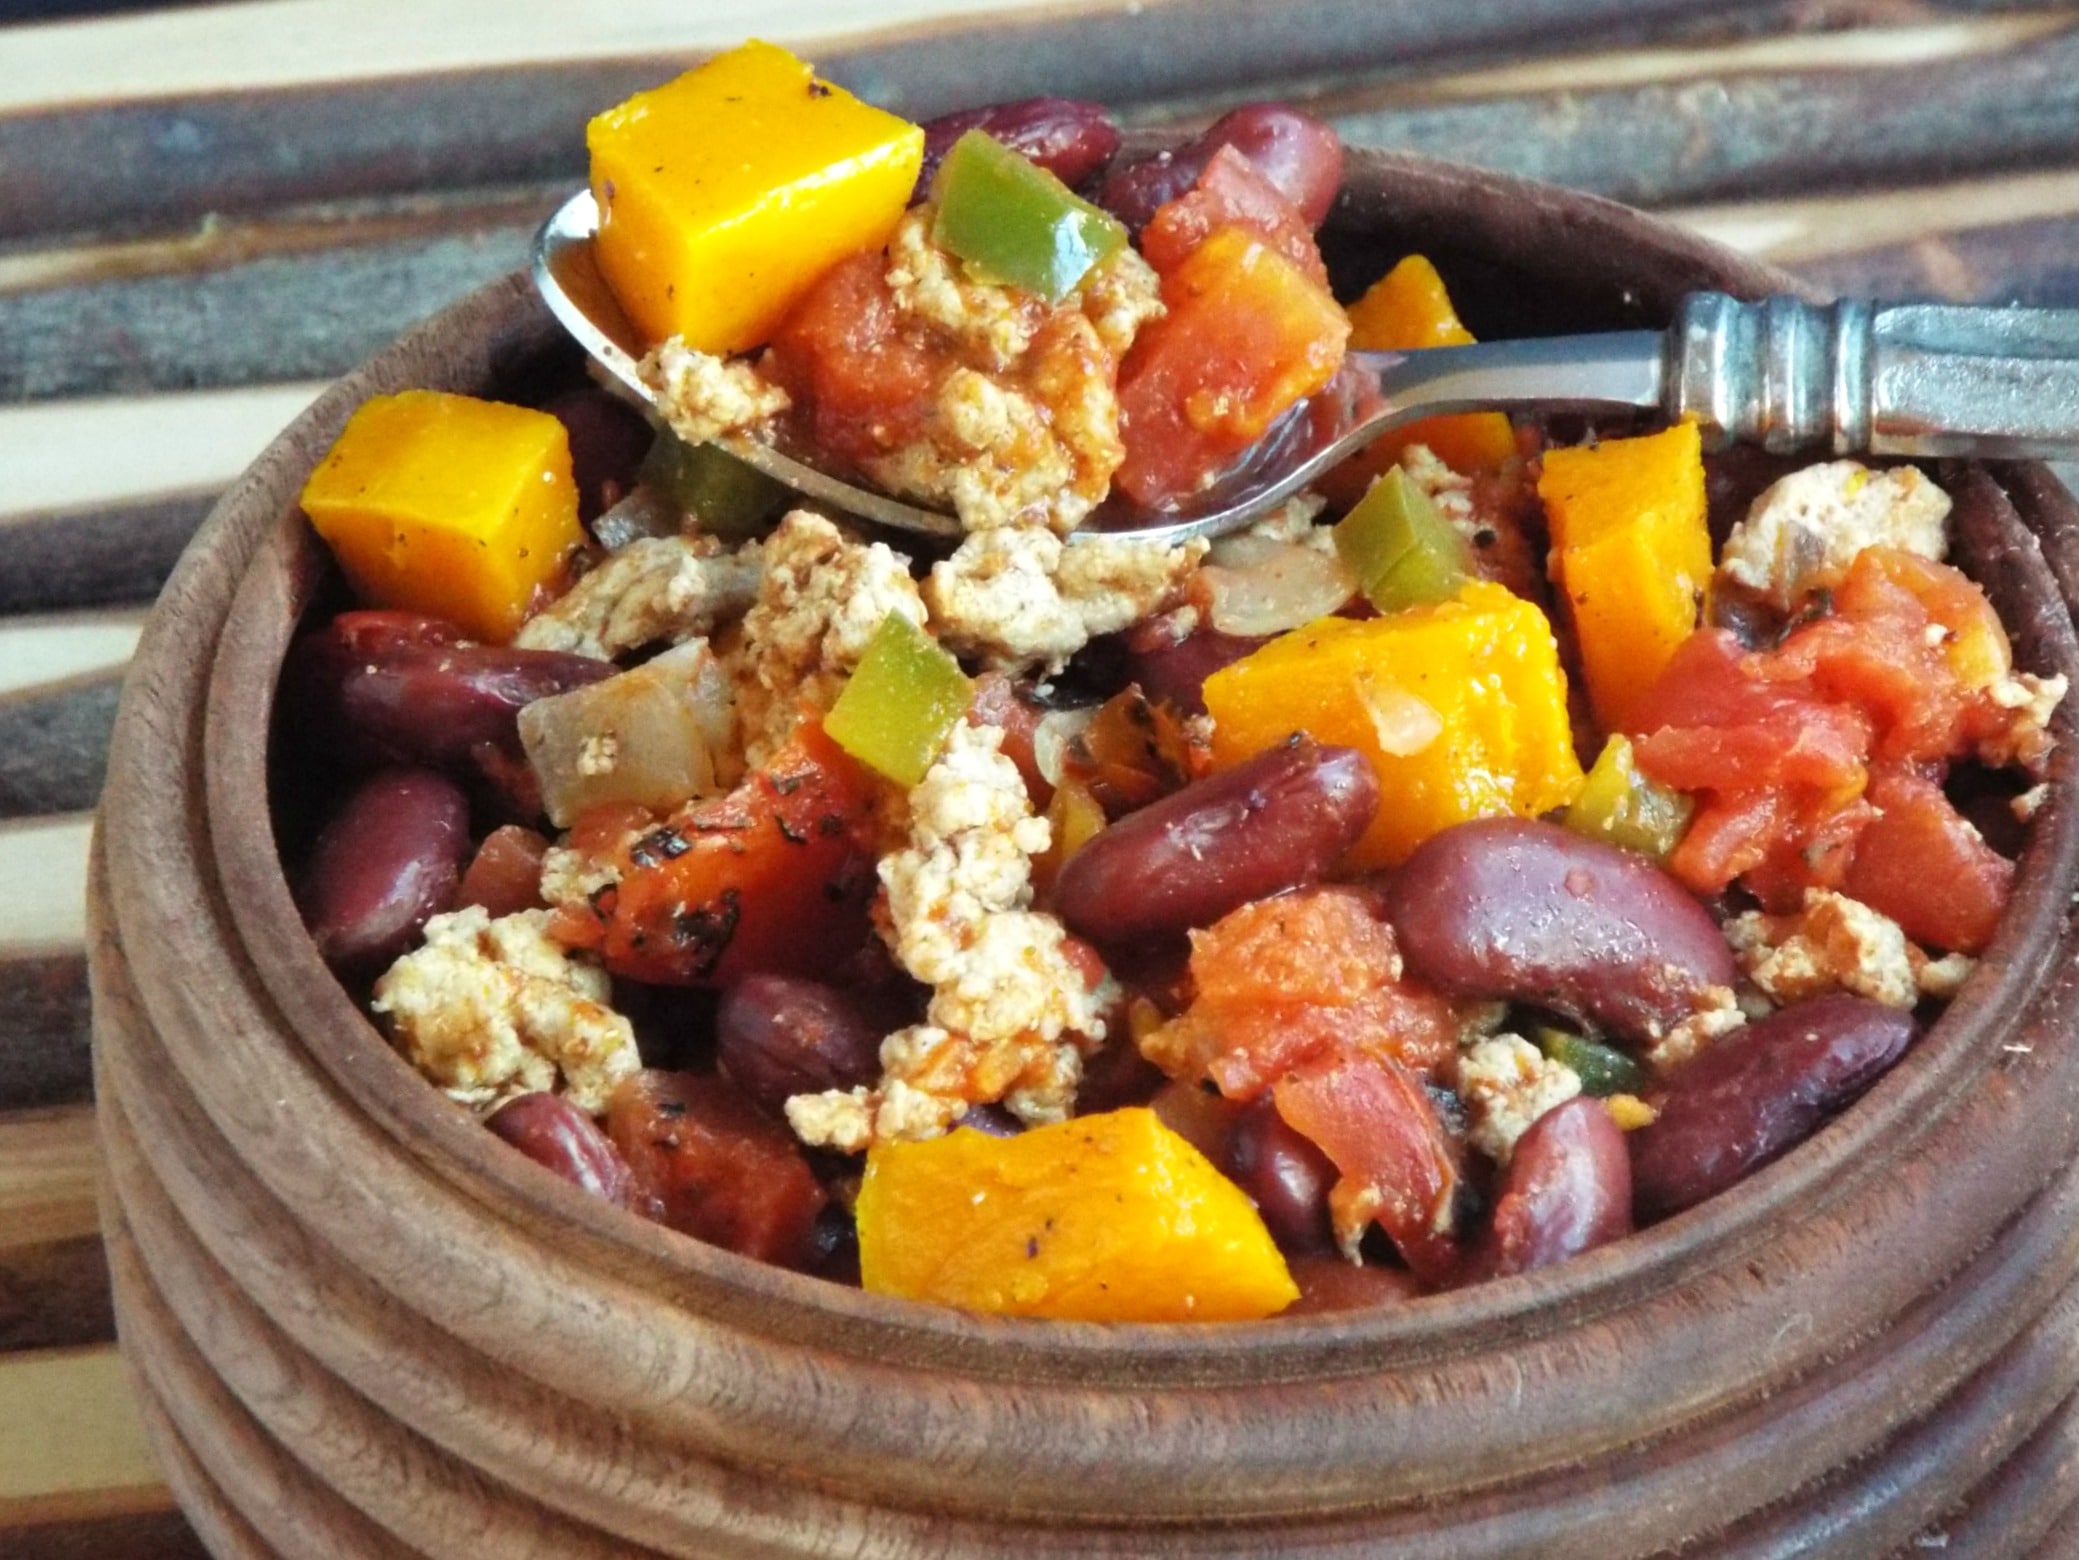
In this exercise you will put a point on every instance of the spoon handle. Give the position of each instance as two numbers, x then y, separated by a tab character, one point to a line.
1886	379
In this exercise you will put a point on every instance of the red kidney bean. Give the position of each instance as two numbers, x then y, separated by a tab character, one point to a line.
1516	908
1070	139
1174	669
554	1133
504	876
1567	1190
1297	152
387	860
1273	822
991	1121
1197	1113
1285	1175
1759	1092
1333	1283
396	687
706	1161
778	1036
608	440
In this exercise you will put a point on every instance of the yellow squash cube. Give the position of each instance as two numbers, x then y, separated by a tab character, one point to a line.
1460	706
1107	1218
1634	553
447	505
724	194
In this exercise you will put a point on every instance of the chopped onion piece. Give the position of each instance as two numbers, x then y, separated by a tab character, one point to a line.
1275	587
655	737
1405	723
644	512
1052	735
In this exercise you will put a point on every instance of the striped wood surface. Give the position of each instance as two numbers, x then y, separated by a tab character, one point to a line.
207	211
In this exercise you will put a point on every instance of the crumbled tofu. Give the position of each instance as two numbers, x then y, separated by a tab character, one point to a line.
660	588
704	397
2023	739
1293	521
1943	978
2025	806
1012	1010
1506	1084
1805	530
1451	493
493	1009
1021	597
1717	1012
1024	427
1833	943
820	598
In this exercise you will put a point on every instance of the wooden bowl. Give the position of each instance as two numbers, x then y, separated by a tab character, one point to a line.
362	1326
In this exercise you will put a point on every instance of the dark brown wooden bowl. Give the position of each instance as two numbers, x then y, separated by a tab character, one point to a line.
365	1327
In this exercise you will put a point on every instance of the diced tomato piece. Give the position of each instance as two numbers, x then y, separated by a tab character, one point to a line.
702	1159
1399	1167
1282	979
776	875
1248	335
505	874
1921	863
869	385
1231	193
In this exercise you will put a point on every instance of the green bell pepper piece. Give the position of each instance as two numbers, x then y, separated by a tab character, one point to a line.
1603	1070
1013	222
728	498
1403	553
903	698
1619	805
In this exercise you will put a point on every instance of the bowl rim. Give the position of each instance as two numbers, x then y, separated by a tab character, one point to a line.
1723	1234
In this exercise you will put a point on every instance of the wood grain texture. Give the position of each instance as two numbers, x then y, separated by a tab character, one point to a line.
695	1403
70	1439
54	744
44	1057
53	1280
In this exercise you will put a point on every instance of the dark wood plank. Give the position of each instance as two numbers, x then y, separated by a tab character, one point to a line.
111	554
140	165
55	1296
1766	132
54	744
44	1053
151	1535
2033	262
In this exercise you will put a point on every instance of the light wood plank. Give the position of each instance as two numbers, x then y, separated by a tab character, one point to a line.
71	1442
47	649
1793	232
79	453
43	884
48	1166
276	43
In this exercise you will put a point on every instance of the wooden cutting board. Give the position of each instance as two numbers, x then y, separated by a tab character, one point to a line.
207	212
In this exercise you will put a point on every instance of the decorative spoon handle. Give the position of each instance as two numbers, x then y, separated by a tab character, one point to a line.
1884	379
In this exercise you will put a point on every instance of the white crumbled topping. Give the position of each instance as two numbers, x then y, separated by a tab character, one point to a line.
820	598
1718	1012
1943	978
1833	943
1806	528
1506	1084
1293	521
493	1009
571	877
1447	490
668	588
2035	698
1019	597
1025	426
2025	806
704	397
1011	1012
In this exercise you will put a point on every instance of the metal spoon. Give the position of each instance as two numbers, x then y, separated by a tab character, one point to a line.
1851	377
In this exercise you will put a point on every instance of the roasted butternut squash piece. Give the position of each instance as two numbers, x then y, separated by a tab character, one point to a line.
1404	310
724	194
1460	706
1108	1218
450	506
1634	558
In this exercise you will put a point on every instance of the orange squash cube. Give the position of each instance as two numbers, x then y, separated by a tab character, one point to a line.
1403	311
1460	706
723	195
1106	1218
1634	557
448	505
